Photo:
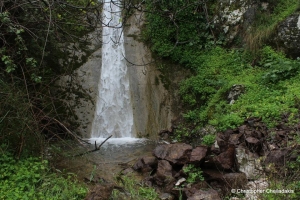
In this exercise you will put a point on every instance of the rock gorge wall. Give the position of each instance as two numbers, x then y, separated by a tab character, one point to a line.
234	18
85	78
150	100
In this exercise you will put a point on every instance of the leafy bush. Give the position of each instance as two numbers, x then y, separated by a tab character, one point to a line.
194	174
31	179
278	66
208	140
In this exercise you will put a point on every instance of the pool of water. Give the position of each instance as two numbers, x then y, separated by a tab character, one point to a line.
114	156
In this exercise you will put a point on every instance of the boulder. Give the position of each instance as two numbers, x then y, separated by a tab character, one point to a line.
230	17
288	35
254	144
259	184
145	164
223	139
164	173
178	154
235	139
234	93
193	188
198	154
249	163
226	160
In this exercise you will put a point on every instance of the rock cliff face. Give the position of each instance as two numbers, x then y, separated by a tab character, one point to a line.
150	100
234	18
82	106
288	35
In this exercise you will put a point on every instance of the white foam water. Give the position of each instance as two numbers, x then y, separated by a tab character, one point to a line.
117	142
113	115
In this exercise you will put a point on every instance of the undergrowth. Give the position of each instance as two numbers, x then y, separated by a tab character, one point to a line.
31	178
133	190
271	89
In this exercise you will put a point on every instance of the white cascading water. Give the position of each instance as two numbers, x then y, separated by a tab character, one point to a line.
113	115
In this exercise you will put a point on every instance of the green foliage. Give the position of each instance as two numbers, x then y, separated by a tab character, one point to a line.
172	31
134	190
278	67
194	174
208	139
205	93
181	133
216	71
226	121
37	44
30	178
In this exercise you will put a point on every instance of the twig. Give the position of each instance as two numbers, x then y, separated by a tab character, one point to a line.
47	35
74	135
96	148
103	142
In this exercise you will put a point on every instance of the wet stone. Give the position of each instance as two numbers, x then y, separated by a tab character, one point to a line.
178	153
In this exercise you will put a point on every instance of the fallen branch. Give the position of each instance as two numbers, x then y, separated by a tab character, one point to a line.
74	135
96	148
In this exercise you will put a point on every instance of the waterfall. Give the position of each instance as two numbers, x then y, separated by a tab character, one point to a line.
113	114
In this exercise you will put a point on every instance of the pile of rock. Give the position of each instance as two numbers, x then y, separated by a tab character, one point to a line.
236	158
166	170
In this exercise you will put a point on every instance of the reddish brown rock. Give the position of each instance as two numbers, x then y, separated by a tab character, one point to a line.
164	173
150	160
226	160
235	139
252	140
226	181
198	154
178	153
145	164
222	140
253	144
